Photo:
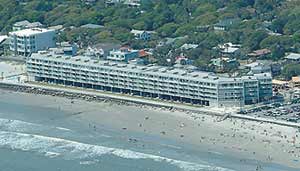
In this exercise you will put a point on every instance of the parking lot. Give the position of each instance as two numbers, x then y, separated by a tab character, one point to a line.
278	111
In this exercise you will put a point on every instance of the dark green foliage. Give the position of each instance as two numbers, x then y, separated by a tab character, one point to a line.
291	70
169	18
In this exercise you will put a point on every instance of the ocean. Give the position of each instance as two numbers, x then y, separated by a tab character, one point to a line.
40	138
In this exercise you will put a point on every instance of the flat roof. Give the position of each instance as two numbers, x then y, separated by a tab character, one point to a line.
279	82
296	79
293	56
30	32
147	69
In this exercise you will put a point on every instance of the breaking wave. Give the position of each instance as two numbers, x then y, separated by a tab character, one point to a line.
70	150
12	136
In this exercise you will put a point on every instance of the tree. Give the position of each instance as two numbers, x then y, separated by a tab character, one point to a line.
254	39
163	57
278	52
290	70
168	29
202	64
278	24
263	6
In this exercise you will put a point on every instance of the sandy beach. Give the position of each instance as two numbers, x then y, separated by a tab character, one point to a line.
9	68
246	139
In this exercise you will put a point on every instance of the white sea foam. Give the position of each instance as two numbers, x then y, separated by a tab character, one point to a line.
64	129
88	162
16	125
67	149
52	154
19	126
215	152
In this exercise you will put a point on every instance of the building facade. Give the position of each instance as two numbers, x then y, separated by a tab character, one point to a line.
123	54
293	58
25	42
150	81
22	25
141	34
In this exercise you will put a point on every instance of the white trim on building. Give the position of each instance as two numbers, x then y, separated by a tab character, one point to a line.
151	81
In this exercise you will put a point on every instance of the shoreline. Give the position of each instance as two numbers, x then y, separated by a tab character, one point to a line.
99	96
249	140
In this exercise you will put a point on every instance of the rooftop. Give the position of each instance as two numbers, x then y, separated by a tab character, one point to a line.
189	46
21	23
30	32
229	47
293	56
57	27
296	79
124	50
137	31
227	22
28	24
151	69
260	52
279	82
92	26
3	38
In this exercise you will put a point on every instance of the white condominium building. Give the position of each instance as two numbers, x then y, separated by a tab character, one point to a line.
150	81
25	42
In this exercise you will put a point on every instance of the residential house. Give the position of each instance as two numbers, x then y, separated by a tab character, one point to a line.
170	41
69	49
130	3
228	49
94	53
22	25
112	2
89	2
182	60
259	53
224	25
64	48
258	68
144	54
92	26
293	58
264	66
141	34
224	63
123	54
295	82
187	46
57	28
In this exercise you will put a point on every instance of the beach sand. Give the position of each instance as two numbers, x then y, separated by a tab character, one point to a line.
8	68
241	138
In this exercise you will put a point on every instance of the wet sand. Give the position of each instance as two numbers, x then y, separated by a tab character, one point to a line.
246	139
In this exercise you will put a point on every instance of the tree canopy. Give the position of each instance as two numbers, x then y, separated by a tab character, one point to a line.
272	24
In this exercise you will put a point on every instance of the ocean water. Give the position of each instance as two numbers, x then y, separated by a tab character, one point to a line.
41	138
